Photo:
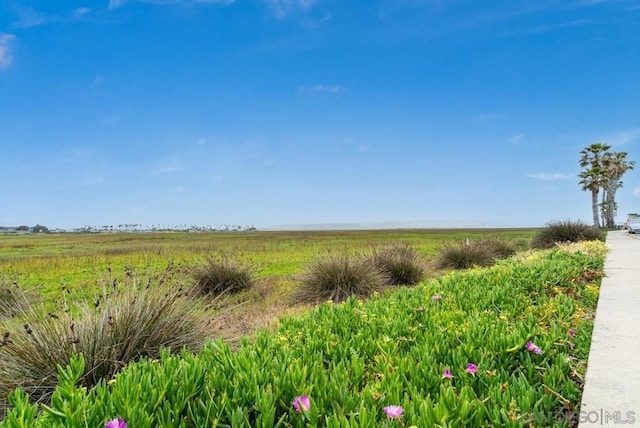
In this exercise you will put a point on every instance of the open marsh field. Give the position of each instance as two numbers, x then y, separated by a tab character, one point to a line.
46	261
80	263
500	346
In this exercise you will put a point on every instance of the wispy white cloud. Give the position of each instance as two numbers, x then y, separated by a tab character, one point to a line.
80	12
334	89
225	2
550	176
621	137
28	17
548	28
283	8
636	192
488	117
97	81
6	57
516	139
587	3
169	169
114	4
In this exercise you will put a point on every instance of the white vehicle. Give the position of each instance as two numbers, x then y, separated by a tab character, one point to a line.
633	225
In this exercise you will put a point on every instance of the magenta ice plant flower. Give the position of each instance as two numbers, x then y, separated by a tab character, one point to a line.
572	332
533	348
436	297
393	412
116	423
472	368
301	403
447	373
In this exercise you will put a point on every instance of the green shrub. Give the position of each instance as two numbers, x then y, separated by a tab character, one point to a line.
338	277
500	248
481	252
222	275
565	231
521	244
401	263
127	325
463	257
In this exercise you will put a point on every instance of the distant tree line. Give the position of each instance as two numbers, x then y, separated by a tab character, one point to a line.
38	228
163	228
603	171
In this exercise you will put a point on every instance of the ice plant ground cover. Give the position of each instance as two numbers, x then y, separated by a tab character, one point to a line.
355	359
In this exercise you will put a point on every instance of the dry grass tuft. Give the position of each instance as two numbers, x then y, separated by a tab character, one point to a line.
125	325
338	277
222	275
401	263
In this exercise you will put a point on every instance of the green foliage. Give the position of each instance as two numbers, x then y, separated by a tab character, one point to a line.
481	252
38	228
556	232
401	263
603	171
338	277
354	358
500	248
222	275
127	324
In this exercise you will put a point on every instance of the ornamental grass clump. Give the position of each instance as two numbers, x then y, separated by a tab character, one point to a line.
556	232
14	300
221	275
123	326
402	264
464	256
482	252
501	249
338	277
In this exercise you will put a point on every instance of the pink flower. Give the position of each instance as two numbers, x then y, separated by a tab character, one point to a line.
447	373
301	403
436	298
572	332
393	412
116	423
472	368
533	348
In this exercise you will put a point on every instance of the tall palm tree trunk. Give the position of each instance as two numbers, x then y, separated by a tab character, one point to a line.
611	203
594	207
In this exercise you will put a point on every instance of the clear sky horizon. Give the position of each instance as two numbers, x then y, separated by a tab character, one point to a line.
270	112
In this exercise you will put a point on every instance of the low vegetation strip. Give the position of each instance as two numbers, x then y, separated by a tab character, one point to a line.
504	346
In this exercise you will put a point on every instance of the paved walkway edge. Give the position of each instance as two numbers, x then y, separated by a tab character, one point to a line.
611	395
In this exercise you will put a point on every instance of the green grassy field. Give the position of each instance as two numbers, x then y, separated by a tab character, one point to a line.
80	263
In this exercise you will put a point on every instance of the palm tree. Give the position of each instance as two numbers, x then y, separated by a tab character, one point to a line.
615	165
591	180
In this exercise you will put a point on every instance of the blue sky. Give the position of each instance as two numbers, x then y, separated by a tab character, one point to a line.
270	112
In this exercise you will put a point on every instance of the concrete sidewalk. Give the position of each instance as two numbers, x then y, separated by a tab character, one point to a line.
611	394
